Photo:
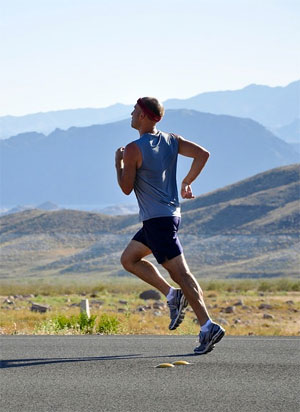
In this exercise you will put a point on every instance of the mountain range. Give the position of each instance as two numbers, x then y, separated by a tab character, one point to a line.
76	166
248	229
273	107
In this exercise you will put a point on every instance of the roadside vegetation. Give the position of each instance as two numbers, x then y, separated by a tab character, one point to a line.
56	287
243	307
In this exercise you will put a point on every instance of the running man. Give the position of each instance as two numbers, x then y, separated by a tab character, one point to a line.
148	166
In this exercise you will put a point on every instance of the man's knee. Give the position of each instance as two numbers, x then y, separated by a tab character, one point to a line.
127	261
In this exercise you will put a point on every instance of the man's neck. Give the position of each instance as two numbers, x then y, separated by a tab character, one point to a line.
151	130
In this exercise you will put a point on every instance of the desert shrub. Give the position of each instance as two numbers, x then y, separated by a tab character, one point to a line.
263	286
279	285
61	323
213	285
108	324
85	323
246	285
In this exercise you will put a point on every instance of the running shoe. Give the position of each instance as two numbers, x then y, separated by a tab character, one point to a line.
177	306
209	339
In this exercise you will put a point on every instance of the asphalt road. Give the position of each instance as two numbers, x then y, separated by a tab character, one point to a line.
117	373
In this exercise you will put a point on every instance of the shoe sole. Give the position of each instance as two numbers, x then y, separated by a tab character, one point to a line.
210	349
179	318
216	338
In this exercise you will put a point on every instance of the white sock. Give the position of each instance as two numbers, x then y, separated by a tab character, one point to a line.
205	327
171	293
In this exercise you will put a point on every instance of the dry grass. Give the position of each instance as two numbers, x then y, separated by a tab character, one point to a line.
57	286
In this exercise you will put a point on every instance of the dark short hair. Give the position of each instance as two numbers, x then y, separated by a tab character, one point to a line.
154	105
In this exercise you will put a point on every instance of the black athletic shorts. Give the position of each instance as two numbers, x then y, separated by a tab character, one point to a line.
160	235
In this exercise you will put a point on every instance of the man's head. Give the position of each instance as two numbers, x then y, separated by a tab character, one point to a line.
147	111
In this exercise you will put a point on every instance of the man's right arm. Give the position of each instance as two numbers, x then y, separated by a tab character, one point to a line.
200	156
128	160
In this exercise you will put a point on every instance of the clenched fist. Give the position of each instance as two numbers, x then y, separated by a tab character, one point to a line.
186	191
119	154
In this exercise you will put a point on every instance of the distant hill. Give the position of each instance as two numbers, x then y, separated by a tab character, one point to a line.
61	119
16	209
296	147
289	133
48	206
116	210
249	229
77	166
21	208
272	180
62	221
268	203
273	107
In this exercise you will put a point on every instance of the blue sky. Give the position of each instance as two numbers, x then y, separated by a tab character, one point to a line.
60	54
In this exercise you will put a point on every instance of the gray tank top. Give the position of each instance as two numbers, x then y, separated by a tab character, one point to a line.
155	184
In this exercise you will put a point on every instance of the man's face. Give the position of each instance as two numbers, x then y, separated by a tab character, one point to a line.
135	116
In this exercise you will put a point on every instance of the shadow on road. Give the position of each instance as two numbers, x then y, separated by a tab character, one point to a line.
17	363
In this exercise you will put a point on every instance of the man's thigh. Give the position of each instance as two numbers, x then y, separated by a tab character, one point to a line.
135	251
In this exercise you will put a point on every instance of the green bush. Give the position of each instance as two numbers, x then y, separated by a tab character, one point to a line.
62	323
108	324
85	323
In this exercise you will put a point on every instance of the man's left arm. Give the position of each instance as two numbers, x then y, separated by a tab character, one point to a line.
126	164
200	157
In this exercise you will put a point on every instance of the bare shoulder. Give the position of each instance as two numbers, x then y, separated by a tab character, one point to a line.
133	154
132	148
177	136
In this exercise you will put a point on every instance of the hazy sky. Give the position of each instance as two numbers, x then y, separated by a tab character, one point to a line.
60	54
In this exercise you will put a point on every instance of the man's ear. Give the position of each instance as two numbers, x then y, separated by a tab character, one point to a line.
142	115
